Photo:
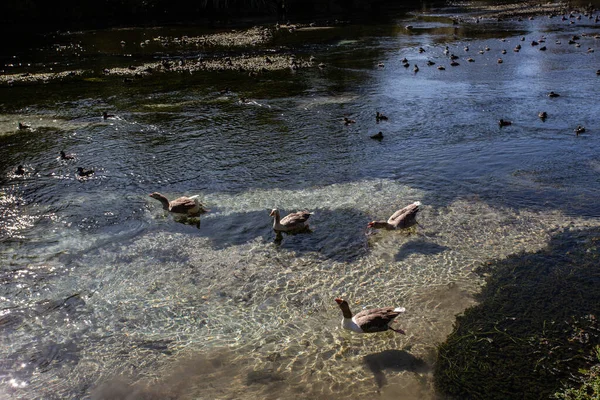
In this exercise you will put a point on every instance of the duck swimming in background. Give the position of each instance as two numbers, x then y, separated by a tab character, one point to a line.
377	136
23	126
579	129
189	206
543	115
402	218
370	321
504	122
19	170
293	222
106	115
552	94
84	172
380	117
348	121
65	156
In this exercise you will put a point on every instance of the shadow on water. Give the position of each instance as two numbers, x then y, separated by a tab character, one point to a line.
536	326
393	360
420	246
330	235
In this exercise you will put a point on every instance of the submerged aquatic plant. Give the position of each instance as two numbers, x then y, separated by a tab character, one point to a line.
537	324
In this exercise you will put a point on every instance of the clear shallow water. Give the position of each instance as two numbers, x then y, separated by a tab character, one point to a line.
102	290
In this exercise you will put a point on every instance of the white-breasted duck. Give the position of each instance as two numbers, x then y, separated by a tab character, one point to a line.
403	218
189	206
293	222
369	321
579	129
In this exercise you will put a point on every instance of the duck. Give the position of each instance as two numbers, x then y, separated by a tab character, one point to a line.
348	121
454	63
380	117
441	68
579	129
19	170
430	63
293	222
84	172
377	136
402	218
543	115
369	321
23	126
552	94
106	115
65	156
182	205
416	68
500	61
504	122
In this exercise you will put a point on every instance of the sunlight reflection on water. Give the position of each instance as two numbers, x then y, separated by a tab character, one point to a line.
106	295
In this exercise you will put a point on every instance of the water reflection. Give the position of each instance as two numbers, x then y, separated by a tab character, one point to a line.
105	295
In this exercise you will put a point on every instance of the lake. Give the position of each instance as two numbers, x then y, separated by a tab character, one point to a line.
105	295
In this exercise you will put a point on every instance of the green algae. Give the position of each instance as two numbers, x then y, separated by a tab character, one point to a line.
535	328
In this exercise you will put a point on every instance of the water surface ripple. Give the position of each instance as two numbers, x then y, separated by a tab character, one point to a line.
104	294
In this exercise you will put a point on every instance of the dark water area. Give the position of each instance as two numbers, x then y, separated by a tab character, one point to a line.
105	292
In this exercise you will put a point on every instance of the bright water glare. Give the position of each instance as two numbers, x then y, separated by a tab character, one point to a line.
105	294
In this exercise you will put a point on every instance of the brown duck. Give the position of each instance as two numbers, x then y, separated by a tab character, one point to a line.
182	205
293	222
369	321
400	219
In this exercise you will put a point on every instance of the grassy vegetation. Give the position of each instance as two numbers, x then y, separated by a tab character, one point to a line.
589	389
535	329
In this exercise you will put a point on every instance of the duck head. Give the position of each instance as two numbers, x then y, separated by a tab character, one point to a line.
345	307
